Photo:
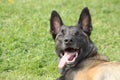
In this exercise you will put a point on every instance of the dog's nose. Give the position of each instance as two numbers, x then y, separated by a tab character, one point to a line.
68	41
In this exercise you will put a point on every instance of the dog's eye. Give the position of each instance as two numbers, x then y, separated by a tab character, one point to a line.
63	31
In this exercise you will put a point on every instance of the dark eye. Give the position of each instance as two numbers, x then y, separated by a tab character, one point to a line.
63	31
77	33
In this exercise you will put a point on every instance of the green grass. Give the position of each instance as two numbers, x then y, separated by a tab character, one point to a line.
26	47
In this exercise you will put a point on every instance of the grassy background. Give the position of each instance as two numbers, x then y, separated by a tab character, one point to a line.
26	47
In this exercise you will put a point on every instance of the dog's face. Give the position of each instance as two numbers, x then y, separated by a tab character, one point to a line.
71	41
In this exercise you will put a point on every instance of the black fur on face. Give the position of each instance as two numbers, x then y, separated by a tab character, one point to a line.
72	39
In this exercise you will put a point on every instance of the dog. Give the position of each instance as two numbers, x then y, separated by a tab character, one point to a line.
78	56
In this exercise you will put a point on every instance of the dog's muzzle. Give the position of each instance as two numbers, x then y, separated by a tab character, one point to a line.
68	56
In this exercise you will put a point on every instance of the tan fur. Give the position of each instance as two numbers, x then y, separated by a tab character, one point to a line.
100	70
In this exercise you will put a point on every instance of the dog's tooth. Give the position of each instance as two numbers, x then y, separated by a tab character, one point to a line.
61	54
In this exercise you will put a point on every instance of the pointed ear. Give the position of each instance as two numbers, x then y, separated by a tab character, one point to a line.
85	21
55	23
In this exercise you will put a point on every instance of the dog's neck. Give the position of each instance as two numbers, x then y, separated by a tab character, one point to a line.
90	51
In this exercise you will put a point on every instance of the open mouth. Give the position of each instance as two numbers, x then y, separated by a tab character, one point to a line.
68	56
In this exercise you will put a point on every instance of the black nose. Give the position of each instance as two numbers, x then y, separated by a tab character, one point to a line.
68	40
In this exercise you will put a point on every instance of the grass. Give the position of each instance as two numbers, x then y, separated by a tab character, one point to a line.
26	47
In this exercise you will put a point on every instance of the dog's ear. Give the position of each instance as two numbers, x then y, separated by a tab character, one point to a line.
85	21
55	23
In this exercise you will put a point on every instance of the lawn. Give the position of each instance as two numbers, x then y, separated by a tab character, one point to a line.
26	47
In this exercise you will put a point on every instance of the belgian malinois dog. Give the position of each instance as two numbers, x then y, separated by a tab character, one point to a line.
78	56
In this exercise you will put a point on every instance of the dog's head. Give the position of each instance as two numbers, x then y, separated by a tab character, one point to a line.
72	42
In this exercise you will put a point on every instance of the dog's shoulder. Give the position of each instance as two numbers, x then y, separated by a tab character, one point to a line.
98	68
93	61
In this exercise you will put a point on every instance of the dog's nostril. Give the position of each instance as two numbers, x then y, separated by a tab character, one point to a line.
71	40
68	41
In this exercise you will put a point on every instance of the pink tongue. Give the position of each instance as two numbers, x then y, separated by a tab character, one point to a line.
64	59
